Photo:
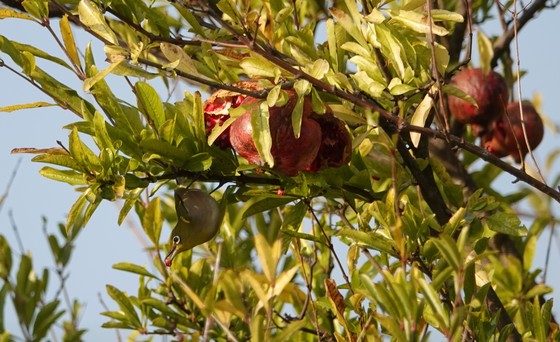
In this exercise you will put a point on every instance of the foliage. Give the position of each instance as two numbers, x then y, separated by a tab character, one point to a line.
408	238
38	311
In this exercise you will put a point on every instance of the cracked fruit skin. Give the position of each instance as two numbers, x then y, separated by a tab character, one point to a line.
336	143
216	112
488	90
291	155
506	132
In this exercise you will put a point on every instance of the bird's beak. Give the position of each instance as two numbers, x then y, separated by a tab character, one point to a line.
171	255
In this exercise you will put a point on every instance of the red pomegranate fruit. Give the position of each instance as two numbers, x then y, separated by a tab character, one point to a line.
488	90
291	155
216	112
505	135
336	143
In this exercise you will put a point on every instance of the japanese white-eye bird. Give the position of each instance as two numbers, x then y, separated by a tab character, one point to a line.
199	217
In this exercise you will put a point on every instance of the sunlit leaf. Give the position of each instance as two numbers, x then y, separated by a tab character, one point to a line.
132	268
92	17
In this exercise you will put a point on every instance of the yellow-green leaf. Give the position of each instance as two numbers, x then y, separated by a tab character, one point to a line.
420	115
67	176
485	51
33	105
269	255
150	102
91	81
92	17
418	22
6	13
68	39
261	132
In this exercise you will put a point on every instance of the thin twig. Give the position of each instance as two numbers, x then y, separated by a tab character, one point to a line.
10	183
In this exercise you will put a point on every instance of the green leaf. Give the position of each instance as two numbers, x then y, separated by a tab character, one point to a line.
67	176
369	239
125	305
434	300
13	108
319	69
261	132
102	138
256	66
68	39
444	15
391	48
448	250
198	162
418	22
45	319
300	235
149	101
40	54
91	17
451	90
61	159
5	259
81	153
264	204
161	306
131	199
29	63
6	13
269	256
132	268
38	9
152	221
349	25
420	116
293	216
505	223
179	59
75	212
91	81
485	50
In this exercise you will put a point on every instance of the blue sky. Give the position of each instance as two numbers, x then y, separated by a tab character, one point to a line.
103	243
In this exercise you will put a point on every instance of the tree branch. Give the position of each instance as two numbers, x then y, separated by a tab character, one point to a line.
502	44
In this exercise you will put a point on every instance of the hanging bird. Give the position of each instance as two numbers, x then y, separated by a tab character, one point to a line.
199	217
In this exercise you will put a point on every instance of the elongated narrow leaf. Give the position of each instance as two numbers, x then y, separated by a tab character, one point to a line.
81	153
505	223
152	220
269	255
68	39
131	199
90	82
67	176
420	116
417	22
449	251
58	159
45	319
125	305
132	268
92	17
75	212
261	132
5	261
265	204
348	24
149	101
33	105
179	59
6	13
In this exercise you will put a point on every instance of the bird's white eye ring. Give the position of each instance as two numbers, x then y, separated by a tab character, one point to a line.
176	239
